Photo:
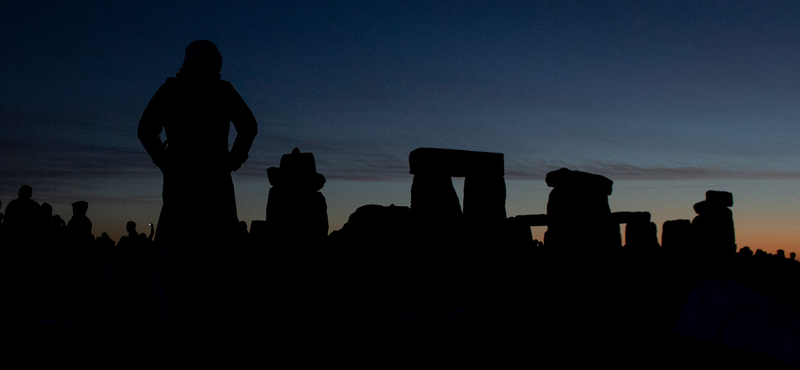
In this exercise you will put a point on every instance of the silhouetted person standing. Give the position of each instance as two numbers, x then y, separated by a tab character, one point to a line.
196	109
22	213
133	235
79	225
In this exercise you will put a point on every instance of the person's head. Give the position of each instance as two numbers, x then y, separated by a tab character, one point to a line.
47	210
131	227
25	192
202	58
79	208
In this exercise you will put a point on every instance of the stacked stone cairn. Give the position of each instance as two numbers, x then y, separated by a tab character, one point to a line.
296	210
434	200
578	215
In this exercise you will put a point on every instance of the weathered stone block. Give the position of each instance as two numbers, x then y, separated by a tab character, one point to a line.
630	217
719	198
578	212
532	220
457	163
297	170
296	210
485	198
642	235
434	199
676	235
577	180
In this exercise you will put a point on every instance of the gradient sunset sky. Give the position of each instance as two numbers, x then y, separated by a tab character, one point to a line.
666	98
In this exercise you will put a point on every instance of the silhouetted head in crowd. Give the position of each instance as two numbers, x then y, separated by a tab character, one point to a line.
746	251
79	208
781	254
202	60
25	192
47	211
130	227
792	255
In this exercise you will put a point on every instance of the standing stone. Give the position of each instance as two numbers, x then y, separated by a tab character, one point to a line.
433	198
296	210
579	217
713	229
640	234
642	237
485	198
676	238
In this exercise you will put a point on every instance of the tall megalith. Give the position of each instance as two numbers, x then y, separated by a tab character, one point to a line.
578	213
714	235
296	210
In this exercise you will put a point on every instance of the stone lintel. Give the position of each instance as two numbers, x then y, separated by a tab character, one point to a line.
630	217
455	163
719	198
582	181
533	220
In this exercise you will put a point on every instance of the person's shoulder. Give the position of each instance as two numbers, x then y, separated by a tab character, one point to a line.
226	85
170	82
227	88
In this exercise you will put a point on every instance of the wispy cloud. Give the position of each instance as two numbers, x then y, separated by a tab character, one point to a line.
626	171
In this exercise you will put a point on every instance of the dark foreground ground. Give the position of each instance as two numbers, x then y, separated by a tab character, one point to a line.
462	344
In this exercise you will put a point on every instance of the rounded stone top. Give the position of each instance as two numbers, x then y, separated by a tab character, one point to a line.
583	181
719	198
297	170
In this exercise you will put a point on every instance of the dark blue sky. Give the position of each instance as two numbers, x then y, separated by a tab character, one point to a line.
654	93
